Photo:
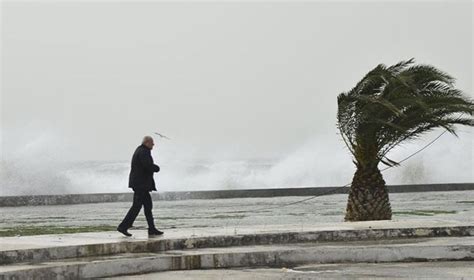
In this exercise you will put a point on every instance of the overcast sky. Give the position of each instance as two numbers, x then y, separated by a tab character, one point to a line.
234	79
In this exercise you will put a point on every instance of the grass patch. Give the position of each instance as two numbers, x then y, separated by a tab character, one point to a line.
423	212
23	231
332	213
297	214
227	217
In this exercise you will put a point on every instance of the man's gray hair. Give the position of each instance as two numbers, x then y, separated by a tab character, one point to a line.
147	139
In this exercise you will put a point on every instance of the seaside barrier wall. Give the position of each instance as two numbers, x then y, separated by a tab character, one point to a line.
64	199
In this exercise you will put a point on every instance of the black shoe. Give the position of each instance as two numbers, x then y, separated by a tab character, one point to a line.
154	232
124	232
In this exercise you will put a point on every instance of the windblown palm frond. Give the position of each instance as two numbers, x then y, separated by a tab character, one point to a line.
397	103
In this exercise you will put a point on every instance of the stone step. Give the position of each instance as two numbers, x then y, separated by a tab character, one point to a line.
55	247
399	250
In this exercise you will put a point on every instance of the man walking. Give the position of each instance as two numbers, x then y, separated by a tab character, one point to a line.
142	182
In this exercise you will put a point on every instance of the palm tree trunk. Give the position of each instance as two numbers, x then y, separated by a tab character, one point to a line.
368	197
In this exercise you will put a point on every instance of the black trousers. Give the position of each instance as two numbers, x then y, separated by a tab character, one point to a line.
139	198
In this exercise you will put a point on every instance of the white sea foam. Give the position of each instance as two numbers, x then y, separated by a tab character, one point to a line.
41	166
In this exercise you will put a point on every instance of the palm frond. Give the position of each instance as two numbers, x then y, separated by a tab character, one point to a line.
398	103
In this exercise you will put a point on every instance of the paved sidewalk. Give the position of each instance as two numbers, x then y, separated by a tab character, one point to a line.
102	254
273	255
229	213
419	270
59	240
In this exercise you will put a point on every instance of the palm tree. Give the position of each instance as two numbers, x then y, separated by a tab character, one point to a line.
391	105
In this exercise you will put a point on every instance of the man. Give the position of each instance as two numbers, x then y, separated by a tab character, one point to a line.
142	182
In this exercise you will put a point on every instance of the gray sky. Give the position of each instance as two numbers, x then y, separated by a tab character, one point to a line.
230	80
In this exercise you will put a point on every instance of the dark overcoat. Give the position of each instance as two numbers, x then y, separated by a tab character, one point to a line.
143	168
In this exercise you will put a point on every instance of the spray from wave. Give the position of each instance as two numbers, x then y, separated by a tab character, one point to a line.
41	166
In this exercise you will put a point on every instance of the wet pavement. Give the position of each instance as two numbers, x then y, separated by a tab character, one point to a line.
423	270
239	212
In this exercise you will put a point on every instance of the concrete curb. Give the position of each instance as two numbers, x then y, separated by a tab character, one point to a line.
160	245
35	200
269	256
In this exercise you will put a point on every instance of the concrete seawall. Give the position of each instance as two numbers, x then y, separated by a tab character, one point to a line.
34	200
